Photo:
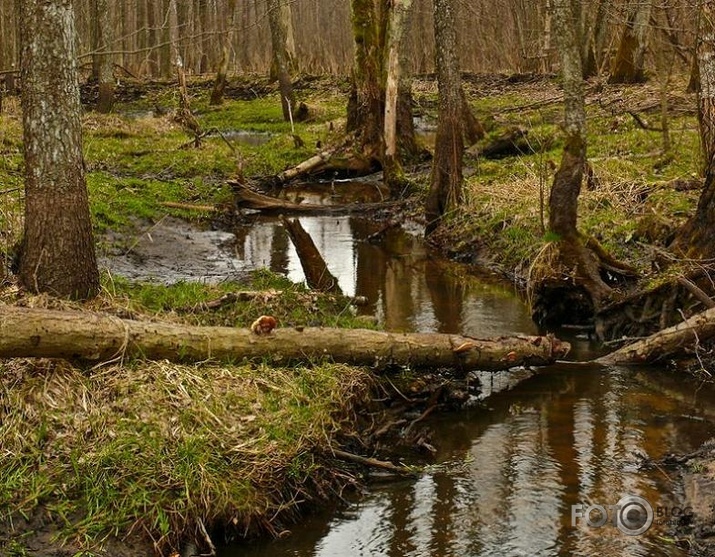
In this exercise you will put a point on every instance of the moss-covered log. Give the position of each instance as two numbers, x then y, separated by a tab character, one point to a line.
26	332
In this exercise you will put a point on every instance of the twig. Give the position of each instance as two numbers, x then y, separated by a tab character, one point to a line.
419	419
696	291
207	538
642	123
189	206
373	463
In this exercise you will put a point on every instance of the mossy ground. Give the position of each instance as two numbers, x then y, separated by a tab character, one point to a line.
153	449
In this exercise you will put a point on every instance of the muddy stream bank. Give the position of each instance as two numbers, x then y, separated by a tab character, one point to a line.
518	472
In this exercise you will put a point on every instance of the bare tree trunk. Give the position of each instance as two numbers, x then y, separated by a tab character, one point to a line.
446	180
221	74
366	107
596	37
280	21
396	27
105	76
58	249
628	66
563	202
697	236
26	332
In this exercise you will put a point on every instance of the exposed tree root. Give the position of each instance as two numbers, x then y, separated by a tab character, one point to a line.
570	281
650	310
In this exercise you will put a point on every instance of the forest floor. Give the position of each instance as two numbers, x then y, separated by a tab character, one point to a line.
72	436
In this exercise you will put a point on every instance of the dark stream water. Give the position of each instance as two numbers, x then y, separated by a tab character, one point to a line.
508	471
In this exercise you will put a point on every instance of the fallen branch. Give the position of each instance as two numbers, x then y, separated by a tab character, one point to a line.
189	206
305	167
373	463
666	343
97	337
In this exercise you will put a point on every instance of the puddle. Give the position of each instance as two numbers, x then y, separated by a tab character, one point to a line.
172	251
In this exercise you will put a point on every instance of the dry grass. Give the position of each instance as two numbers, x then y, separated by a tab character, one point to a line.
158	449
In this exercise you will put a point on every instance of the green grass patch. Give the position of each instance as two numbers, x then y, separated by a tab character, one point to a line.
156	447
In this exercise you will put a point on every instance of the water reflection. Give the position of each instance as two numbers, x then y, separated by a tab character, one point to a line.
510	475
407	288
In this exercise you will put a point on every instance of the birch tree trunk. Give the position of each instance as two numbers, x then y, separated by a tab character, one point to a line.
58	254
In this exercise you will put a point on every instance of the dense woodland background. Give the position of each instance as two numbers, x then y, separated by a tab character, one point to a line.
494	35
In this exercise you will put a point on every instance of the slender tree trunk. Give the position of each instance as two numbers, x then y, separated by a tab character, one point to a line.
222	73
446	179
563	202
280	21
697	236
58	249
596	37
105	77
397	23
628	66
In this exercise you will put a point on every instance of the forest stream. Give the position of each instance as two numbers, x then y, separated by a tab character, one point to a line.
518	471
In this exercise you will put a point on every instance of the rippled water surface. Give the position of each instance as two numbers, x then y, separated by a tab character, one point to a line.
508	473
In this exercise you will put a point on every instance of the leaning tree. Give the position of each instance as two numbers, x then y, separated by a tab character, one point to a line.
57	254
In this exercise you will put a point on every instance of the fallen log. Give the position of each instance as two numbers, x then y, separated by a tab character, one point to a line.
309	165
248	198
97	337
666	343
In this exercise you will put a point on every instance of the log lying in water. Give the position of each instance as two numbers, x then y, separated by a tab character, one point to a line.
75	335
248	198
664	344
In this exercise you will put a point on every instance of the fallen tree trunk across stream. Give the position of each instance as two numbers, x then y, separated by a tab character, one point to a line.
675	340
96	337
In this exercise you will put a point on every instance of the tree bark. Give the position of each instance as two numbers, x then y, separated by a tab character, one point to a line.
696	238
446	179
105	75
58	254
563	201
219	87
366	109
26	332
280	21
678	339
396	27
628	66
